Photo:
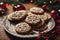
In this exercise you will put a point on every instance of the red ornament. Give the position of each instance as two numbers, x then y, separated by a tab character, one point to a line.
19	7
58	1
3	5
45	7
54	14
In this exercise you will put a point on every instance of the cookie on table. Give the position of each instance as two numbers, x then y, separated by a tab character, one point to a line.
32	19
37	10
18	15
22	28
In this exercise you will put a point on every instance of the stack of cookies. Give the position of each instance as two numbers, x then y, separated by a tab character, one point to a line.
33	19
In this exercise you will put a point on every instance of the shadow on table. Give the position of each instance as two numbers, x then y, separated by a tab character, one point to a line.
17	38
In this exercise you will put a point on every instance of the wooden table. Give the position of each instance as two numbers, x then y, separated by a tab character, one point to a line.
6	36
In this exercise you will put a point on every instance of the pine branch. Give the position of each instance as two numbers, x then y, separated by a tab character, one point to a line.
55	6
38	2
24	1
15	2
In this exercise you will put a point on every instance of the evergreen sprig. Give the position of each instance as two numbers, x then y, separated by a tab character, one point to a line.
53	7
24	1
15	2
54	4
38	2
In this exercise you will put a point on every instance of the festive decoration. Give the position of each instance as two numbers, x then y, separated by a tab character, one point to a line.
24	1
3	5
2	8
19	7
45	7
52	4
54	14
54	7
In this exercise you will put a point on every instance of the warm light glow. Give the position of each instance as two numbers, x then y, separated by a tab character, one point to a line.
59	10
31	1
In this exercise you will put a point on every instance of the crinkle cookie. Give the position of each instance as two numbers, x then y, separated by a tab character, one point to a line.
37	10
22	28
32	19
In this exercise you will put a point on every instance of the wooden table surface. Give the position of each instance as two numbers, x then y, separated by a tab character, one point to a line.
6	36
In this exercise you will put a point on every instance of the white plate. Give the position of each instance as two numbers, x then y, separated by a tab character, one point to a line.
10	29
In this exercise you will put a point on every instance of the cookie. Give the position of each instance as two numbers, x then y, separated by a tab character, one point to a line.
22	28
18	15
37	10
32	19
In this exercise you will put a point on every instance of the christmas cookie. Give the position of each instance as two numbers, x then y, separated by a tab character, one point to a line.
18	15
22	28
37	10
32	19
